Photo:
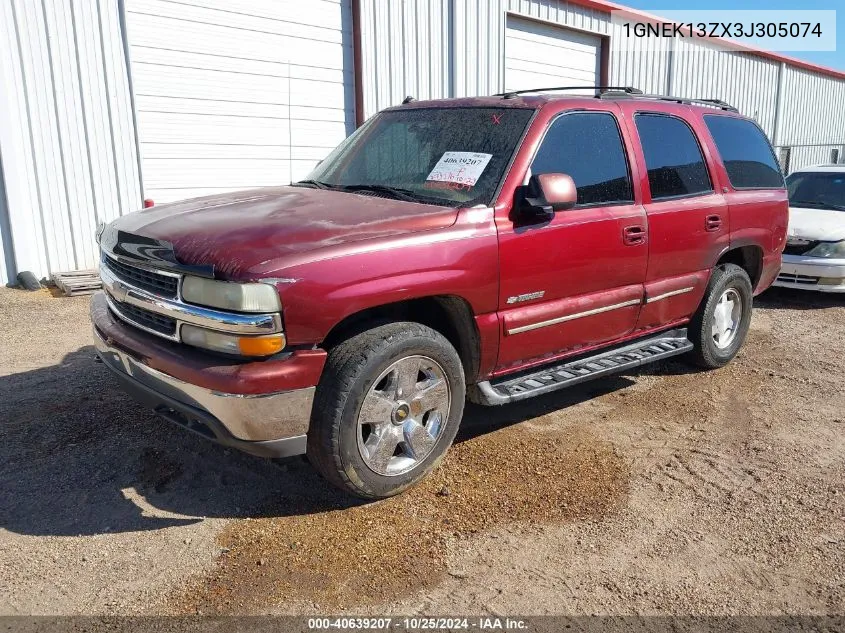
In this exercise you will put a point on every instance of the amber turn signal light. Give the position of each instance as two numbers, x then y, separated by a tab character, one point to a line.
262	345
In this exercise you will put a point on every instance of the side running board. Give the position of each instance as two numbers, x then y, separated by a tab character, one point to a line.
556	376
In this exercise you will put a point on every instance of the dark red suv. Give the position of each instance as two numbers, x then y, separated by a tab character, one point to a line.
497	248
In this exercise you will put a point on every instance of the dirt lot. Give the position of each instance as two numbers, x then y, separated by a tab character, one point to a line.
664	492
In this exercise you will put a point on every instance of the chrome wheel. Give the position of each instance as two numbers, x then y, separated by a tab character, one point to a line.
403	415
726	318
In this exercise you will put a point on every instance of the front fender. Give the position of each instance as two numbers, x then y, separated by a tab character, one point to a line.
461	261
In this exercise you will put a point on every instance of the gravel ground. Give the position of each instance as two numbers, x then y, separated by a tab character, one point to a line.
664	492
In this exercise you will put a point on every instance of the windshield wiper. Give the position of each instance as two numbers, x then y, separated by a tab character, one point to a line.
817	205
397	192
310	183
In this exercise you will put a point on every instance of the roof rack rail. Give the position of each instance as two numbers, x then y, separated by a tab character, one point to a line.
625	89
716	103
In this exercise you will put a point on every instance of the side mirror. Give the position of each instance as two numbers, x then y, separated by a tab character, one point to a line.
545	194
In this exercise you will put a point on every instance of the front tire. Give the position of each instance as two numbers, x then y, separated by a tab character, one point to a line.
387	408
720	326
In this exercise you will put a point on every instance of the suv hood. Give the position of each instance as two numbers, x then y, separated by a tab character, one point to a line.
238	232
816	224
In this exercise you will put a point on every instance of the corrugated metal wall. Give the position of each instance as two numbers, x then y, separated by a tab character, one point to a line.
745	81
813	117
231	95
67	140
66	135
414	60
648	66
453	48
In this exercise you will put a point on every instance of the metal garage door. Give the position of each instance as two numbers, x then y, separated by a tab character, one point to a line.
541	55
232	94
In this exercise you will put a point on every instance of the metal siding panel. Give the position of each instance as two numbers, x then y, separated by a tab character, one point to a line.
813	110
51	135
563	13
548	55
45	136
231	95
710	71
16	148
645	67
123	133
406	49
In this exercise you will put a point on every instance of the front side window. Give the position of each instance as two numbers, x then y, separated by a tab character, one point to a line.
748	157
587	146
446	156
817	190
673	157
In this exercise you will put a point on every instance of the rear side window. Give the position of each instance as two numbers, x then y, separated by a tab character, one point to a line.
672	156
748	157
587	146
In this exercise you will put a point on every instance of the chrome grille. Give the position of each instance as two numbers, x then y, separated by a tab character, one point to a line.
144	318
158	283
149	299
798	279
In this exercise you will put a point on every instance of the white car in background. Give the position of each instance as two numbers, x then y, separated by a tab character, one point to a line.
814	257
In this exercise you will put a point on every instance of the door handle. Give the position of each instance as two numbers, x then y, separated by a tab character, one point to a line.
633	235
713	223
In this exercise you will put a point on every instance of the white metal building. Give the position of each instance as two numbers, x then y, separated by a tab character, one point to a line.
108	102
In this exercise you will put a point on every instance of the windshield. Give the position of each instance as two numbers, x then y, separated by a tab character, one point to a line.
448	156
819	190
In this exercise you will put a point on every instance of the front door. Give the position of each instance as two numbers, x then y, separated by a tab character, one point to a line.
576	281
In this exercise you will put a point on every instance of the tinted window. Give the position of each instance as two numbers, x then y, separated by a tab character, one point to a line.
587	146
747	155
672	156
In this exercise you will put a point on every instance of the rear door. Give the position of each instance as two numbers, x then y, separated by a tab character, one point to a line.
688	220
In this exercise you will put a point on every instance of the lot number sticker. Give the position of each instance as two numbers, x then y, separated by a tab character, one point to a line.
463	168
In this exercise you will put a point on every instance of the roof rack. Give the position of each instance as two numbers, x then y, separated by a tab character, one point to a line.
623	89
716	103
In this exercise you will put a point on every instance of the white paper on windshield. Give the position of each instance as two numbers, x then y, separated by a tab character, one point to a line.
464	168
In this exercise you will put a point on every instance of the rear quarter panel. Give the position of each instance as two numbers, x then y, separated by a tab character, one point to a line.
758	217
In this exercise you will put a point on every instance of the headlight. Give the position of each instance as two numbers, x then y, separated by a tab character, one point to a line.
833	250
228	295
232	343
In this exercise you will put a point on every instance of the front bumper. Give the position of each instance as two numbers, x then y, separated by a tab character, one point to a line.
812	273
271	424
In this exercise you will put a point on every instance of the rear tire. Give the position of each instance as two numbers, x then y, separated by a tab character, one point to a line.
720	325
386	410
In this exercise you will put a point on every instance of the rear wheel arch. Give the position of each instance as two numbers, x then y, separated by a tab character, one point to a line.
450	315
748	257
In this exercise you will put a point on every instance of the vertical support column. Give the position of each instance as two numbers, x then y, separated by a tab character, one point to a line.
8	268
357	65
453	48
604	61
670	67
777	132
124	37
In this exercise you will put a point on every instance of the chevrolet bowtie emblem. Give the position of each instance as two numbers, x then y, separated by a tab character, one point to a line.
119	291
